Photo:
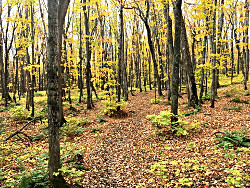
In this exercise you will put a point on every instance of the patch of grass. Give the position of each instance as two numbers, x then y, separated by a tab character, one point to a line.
156	100
19	113
229	93
101	118
238	99
95	130
236	108
166	103
197	110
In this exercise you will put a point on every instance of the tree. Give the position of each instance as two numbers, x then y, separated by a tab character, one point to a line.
120	54
53	90
176	61
1	50
246	39
213	49
88	58
170	48
188	68
144	18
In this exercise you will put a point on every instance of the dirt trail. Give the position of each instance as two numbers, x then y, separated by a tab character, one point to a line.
123	154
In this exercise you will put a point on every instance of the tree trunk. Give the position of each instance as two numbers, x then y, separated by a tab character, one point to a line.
120	54
1	51
33	61
247	48
88	57
81	59
62	10
188	68
176	61
170	48
214	84
53	91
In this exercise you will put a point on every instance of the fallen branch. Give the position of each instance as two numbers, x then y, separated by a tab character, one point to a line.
218	132
20	130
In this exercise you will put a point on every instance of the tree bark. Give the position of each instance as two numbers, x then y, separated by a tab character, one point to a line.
247	48
176	61
188	68
88	58
1	51
53	91
120	53
170	48
62	10
214	84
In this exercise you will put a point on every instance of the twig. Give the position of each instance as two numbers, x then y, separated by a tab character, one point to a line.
218	132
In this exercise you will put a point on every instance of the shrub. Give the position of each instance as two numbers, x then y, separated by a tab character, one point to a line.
73	127
163	121
155	100
37	178
110	107
19	113
206	97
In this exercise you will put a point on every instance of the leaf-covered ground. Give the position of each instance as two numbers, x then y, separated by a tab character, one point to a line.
125	151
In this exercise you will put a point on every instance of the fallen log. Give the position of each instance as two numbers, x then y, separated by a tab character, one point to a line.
20	130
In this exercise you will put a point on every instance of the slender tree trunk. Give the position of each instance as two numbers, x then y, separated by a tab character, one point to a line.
188	67
176	61
88	58
247	48
125	76
33	61
81	59
6	59
213	85
62	10
170	48
149	72
120	53
1	52
232	52
202	69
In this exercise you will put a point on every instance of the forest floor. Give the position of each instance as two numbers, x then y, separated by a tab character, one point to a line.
126	151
